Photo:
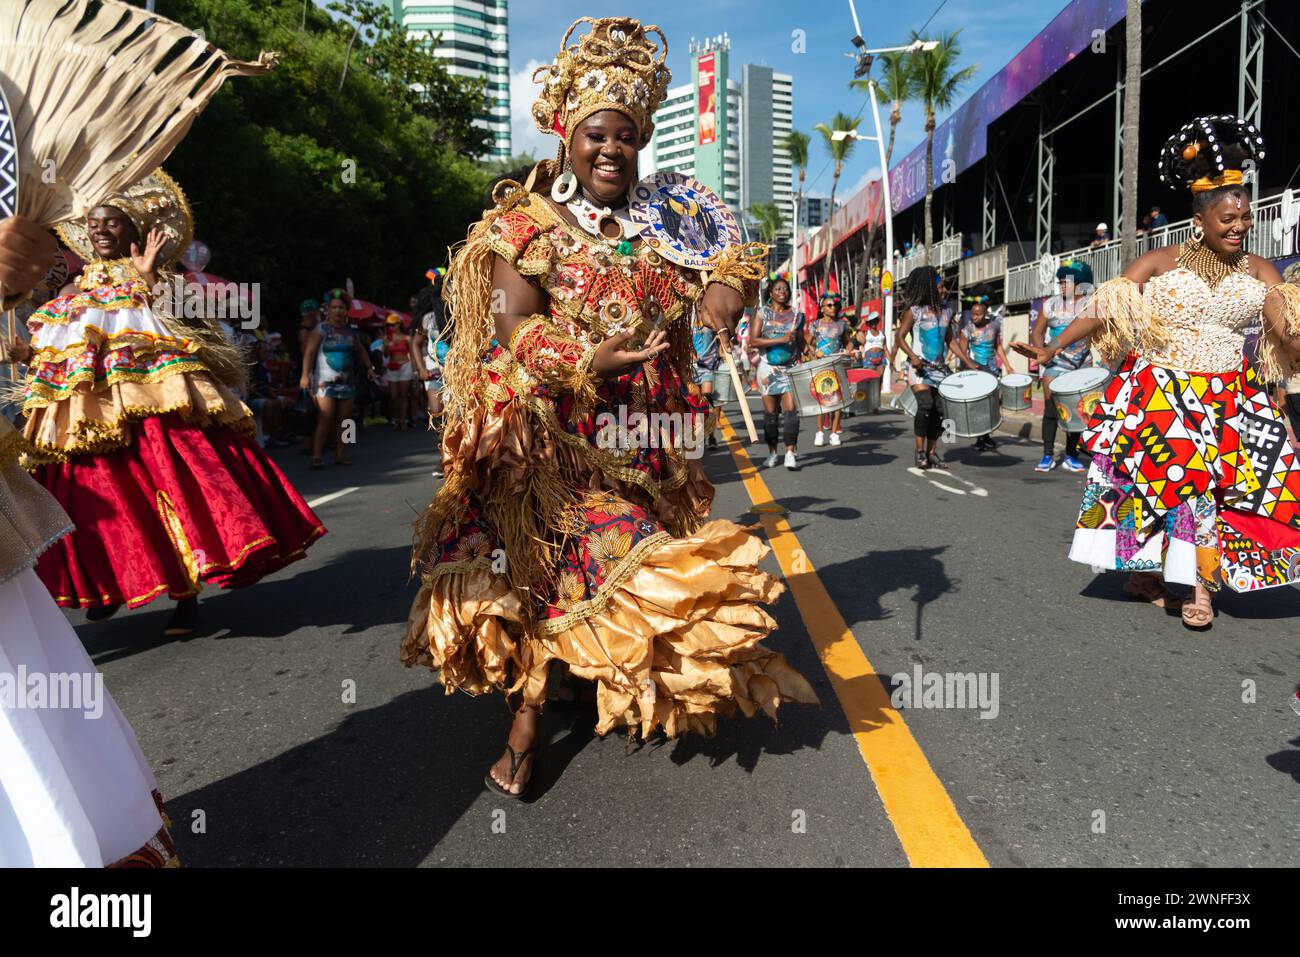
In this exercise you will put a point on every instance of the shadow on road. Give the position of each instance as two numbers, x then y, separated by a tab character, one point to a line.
360	588
857	586
381	789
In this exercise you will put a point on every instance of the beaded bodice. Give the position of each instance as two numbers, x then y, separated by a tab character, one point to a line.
595	289
1205	327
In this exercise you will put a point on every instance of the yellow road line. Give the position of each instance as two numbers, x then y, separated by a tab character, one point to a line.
926	821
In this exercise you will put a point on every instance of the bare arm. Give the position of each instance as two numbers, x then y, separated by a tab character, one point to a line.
905	323
314	339
1275	318
418	343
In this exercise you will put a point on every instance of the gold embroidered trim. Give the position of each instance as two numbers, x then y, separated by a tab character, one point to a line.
107	436
580	611
131	337
41	395
180	542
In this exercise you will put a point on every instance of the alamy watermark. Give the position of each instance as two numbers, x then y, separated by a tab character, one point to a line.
626	431
946	690
230	301
39	690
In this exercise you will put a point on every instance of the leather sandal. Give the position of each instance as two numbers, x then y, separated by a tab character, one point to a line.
1201	615
1148	589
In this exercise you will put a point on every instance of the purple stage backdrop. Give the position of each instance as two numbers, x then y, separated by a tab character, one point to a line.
963	136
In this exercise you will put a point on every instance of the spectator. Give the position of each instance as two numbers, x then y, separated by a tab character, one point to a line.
1100	237
264	399
1158	219
1144	227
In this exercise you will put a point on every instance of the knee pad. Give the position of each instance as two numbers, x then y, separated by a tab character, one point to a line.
772	427
936	418
790	427
924	411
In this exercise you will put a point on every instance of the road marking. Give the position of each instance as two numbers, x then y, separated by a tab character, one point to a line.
923	816
333	495
974	489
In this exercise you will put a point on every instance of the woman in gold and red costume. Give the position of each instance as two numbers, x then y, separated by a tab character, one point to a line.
1193	479
134	427
545	545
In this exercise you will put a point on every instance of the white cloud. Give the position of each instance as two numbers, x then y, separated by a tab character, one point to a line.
524	136
867	177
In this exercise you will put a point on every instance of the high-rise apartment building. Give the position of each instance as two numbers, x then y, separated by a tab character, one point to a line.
474	43
735	144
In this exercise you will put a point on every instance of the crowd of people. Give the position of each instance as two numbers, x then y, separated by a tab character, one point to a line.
549	565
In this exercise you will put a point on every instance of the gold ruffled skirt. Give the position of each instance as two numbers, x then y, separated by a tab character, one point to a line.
671	643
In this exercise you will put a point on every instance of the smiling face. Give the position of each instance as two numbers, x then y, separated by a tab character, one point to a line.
781	293
1226	223
603	154
111	232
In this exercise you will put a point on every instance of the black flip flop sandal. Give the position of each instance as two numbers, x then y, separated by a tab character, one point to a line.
516	759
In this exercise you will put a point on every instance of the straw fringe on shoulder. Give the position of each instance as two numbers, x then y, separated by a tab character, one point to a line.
1128	322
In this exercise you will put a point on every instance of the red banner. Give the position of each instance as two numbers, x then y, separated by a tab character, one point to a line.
706	108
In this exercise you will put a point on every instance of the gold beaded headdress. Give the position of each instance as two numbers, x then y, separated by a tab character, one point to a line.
155	202
617	66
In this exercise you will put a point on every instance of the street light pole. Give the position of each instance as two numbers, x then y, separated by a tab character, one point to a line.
864	56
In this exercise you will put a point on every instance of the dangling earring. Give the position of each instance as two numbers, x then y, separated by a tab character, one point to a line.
1198	233
565	185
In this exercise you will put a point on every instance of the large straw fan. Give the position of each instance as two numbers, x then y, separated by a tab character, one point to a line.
101	93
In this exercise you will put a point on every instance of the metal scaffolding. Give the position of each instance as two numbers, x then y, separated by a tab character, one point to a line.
1046	178
1250	86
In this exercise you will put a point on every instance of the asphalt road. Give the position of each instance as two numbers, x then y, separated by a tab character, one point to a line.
1120	737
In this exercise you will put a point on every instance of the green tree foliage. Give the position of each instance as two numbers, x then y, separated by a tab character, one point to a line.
297	192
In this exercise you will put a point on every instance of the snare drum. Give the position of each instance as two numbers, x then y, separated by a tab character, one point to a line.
907	401
724	390
1076	394
1015	389
865	384
971	403
822	385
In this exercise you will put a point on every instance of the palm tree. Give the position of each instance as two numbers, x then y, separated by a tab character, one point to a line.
937	83
770	220
796	144
897	85
1132	97
839	150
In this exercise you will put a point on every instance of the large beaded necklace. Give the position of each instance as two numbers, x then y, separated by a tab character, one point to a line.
1212	267
592	219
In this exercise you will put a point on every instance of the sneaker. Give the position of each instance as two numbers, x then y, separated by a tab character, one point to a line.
1045	464
1071	464
712	441
770	461
819	438
835	438
790	463
990	444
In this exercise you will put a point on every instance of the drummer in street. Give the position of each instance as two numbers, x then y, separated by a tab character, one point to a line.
829	335
707	359
1074	280
926	316
980	339
777	333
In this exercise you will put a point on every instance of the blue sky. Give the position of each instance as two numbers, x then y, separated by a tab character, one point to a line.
993	31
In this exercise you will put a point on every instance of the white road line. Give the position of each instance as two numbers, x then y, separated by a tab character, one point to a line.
333	495
948	488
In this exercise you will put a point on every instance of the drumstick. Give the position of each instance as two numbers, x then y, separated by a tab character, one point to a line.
740	394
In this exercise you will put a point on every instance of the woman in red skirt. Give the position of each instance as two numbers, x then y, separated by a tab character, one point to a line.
138	431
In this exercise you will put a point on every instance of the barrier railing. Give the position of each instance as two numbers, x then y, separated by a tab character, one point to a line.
946	252
1274	235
